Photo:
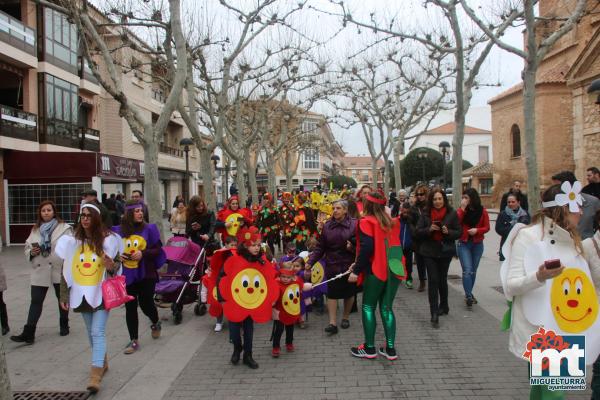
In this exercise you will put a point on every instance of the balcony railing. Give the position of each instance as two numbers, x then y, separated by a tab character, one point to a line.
17	34
65	134
90	139
85	71
170	151
18	123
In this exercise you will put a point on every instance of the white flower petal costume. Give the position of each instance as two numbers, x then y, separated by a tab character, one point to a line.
83	270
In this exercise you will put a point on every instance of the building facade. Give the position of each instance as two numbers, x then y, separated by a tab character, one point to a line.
360	169
60	132
567	118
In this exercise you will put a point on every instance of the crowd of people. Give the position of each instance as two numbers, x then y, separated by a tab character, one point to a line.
295	253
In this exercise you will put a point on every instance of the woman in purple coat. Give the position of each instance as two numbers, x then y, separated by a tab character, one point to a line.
336	249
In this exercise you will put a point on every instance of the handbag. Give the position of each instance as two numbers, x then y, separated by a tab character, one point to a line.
448	248
114	292
394	256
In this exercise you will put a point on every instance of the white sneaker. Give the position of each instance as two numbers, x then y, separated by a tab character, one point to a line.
218	327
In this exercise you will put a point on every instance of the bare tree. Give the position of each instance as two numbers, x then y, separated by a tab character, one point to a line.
535	50
108	62
469	50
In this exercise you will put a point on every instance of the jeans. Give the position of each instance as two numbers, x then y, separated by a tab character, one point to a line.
143	291
421	269
38	295
437	271
95	322
408	259
235	334
469	254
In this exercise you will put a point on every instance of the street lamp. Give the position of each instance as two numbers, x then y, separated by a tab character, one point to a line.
186	143
422	155
444	147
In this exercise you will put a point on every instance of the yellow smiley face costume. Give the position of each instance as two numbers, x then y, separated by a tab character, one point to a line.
132	244
83	269
235	220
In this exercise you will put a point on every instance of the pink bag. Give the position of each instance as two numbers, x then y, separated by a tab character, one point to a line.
114	292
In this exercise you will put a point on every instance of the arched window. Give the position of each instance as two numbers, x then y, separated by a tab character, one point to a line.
515	138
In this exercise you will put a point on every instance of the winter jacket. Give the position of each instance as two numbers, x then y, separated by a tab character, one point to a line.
413	218
504	226
483	227
207	227
433	248
46	270
331	246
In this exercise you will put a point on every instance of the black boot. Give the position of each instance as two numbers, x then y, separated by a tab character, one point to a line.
28	335
64	326
249	361
235	357
4	320
435	321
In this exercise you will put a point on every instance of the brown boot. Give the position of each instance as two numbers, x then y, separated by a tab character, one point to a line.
95	379
105	365
421	286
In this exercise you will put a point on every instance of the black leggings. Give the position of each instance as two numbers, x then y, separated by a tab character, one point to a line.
278	332
437	271
38	295
408	259
235	334
421	269
143	291
3	314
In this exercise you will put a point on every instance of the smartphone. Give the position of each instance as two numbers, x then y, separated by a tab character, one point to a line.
552	264
36	244
437	223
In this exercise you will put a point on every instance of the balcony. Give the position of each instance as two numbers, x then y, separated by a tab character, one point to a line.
159	96
18	124
61	133
172	151
85	71
16	34
90	139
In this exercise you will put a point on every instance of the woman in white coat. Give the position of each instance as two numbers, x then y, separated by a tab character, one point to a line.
554	227
46	268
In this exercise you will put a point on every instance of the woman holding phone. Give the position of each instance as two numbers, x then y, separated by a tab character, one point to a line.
46	268
438	228
200	222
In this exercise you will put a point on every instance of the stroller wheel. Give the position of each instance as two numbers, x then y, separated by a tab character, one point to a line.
200	309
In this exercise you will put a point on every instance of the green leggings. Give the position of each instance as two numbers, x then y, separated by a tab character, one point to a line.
377	291
541	392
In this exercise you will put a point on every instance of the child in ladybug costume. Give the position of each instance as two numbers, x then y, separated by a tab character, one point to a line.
287	310
249	289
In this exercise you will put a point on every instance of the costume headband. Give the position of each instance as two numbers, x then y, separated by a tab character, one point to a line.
570	195
287	272
267	196
93	207
134	206
286	196
376	200
248	235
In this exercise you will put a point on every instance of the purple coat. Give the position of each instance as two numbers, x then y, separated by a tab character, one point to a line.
332	246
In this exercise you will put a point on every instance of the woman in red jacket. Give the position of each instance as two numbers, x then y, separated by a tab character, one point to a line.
475	223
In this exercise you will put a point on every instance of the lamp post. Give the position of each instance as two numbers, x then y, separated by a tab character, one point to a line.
186	143
422	155
444	146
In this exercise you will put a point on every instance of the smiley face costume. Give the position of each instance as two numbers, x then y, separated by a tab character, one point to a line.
236	219
289	307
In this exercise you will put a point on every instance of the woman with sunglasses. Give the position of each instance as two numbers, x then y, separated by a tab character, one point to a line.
46	268
142	256
438	228
89	255
420	194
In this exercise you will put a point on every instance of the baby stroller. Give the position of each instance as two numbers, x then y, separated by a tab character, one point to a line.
180	284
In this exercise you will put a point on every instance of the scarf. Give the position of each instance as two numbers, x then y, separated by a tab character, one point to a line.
438	215
472	216
46	230
514	215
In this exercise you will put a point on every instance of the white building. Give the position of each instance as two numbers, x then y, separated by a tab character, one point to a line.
477	144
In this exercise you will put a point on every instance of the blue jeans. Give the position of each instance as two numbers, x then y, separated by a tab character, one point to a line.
469	254
95	322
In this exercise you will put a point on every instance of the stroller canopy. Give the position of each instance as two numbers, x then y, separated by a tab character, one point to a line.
182	250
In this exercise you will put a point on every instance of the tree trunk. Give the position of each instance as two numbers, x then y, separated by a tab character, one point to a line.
207	178
533	183
5	392
386	175
457	145
151	181
374	172
251	175
241	183
289	174
272	179
397	172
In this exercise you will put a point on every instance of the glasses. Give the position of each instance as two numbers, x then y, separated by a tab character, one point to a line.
420	194
86	216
